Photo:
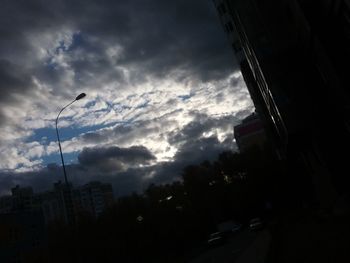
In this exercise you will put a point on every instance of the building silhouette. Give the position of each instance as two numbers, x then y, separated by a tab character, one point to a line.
57	205
24	216
292	55
21	199
67	204
250	133
23	237
64	203
93	198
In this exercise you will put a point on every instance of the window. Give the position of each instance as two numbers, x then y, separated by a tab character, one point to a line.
346	19
236	46
229	27
35	242
15	235
17	258
222	9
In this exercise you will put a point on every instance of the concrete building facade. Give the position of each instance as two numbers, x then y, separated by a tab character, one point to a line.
292	55
250	133
64	203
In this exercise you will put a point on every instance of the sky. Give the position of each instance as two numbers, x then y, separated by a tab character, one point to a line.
163	91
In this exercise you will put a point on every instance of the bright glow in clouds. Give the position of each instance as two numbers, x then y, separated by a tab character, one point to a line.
162	89
150	111
153	112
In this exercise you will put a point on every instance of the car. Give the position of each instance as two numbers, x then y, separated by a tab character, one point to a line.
229	227
236	228
217	239
256	224
226	230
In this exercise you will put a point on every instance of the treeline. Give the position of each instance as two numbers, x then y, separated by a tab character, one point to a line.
169	222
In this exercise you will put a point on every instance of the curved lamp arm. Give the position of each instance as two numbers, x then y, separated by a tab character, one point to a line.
80	96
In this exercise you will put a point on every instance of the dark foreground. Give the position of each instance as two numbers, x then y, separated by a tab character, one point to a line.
298	236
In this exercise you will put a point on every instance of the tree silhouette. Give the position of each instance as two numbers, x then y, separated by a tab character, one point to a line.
170	221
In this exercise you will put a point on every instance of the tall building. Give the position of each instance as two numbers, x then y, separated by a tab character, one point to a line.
6	204
53	205
67	204
24	199
23	237
21	199
250	133
64	203
93	197
292	55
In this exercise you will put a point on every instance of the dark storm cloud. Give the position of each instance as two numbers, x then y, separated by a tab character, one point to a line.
40	180
18	20
194	148
123	156
92	137
118	166
179	35
142	129
13	81
129	133
157	36
133	179
192	152
160	36
181	40
202	123
12	78
123	182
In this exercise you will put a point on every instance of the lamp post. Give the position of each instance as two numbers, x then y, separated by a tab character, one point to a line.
80	96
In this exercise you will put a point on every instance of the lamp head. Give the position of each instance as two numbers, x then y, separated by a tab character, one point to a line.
80	96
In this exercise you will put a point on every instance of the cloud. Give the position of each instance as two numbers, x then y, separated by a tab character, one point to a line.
161	85
51	52
86	43
114	158
134	168
120	166
204	126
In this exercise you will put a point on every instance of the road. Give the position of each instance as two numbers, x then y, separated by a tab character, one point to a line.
246	246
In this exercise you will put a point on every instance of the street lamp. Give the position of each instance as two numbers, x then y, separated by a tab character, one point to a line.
80	96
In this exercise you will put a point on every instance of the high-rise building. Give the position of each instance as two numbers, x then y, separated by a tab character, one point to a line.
250	133
23	237
24	199
53	204
64	203
65	193
67	203
292	55
6	204
21	199
93	197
